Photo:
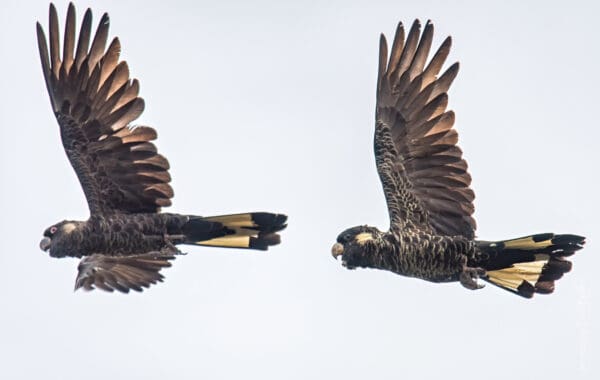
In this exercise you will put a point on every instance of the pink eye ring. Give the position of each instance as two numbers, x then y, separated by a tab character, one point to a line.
53	229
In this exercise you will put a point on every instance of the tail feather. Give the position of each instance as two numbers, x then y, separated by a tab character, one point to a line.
256	230
529	264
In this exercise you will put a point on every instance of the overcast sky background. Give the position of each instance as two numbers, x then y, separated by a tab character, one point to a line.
270	106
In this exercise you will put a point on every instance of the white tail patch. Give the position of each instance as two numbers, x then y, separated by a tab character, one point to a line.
514	276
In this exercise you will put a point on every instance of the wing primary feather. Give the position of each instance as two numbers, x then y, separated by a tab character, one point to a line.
109	60
108	106
115	81
444	82
397	47
69	41
383	52
54	40
130	93
99	42
436	63
43	49
440	123
91	87
430	92
418	62
119	70
125	115
84	38
433	109
137	134
409	49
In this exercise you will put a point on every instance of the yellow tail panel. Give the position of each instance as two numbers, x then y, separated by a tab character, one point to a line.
528	243
514	276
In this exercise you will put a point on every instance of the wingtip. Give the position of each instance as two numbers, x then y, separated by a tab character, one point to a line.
429	26
382	39
448	40
399	33
53	16
71	12
40	30
87	16
117	43
105	19
416	24
78	286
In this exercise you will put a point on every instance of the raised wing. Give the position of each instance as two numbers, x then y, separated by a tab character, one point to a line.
122	273
424	176
94	100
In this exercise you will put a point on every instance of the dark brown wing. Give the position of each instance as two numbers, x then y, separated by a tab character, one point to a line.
422	170
122	273
94	101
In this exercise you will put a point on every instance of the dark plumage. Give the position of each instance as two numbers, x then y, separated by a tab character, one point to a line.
426	185
126	241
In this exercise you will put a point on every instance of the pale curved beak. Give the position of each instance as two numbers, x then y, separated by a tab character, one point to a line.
337	250
45	244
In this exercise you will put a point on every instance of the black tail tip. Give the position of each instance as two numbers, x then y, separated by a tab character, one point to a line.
568	239
541	287
526	290
567	244
263	242
269	222
554	269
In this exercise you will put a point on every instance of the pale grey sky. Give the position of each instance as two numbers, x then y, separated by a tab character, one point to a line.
284	93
